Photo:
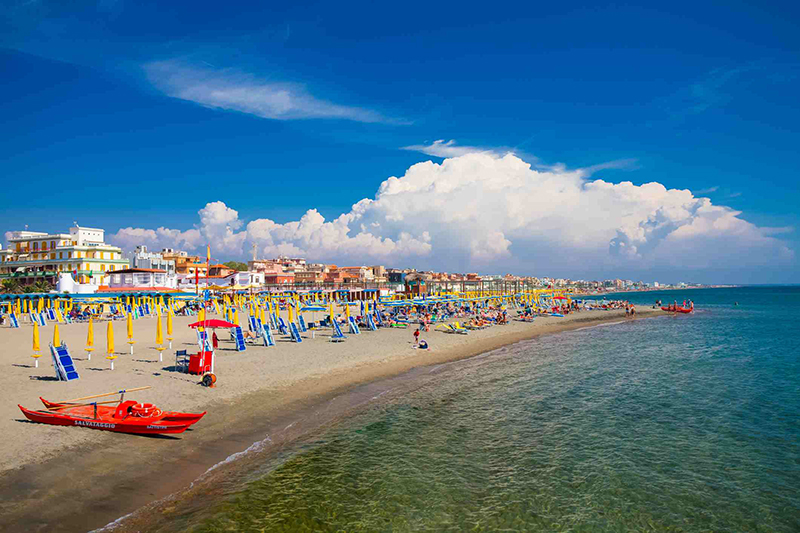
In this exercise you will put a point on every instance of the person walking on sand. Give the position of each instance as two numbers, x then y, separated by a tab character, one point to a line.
416	337
214	340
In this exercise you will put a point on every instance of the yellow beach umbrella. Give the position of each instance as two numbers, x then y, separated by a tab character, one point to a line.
90	339
36	355
201	317
110	338
56	337
129	325
169	328
159	331
159	338
236	316
36	347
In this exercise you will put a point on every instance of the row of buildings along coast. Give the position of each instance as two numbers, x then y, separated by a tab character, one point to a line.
82	262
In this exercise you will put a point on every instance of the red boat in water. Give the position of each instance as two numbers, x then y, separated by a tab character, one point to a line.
127	417
678	309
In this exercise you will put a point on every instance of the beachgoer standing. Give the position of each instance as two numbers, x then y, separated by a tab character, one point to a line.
416	337
214	340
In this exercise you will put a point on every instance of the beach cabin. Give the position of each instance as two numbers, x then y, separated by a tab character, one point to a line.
146	279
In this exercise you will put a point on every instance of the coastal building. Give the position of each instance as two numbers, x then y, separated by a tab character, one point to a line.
141	280
186	264
142	258
234	280
32	256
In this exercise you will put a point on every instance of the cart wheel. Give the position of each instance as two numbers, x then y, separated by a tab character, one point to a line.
208	379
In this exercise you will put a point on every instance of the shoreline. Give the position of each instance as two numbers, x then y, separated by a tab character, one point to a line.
85	488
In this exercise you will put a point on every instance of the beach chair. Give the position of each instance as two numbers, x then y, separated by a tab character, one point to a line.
371	323
42	319
266	334
51	314
459	329
251	321
353	326
238	337
302	323
295	333
181	361
12	318
282	326
63	363
337	336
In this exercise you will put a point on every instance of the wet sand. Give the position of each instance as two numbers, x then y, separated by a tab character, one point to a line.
70	479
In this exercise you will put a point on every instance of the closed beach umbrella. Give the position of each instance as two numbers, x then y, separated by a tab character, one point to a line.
110	338
90	334
169	323
56	337
236	316
36	337
159	331
201	316
130	327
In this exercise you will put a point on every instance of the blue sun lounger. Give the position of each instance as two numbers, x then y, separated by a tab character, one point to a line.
62	361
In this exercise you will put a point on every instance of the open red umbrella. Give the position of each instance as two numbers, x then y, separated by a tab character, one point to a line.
213	323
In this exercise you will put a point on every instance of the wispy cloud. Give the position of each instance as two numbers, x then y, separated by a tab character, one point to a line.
237	91
709	190
734	195
617	164
442	148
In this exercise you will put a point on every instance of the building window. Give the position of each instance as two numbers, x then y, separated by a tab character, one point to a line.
53	244
36	246
52	256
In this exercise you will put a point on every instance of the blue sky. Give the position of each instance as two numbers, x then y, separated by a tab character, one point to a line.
138	115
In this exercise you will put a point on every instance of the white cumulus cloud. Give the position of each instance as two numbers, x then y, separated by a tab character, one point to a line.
483	211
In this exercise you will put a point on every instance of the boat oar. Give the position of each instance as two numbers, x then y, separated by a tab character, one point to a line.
64	405
123	391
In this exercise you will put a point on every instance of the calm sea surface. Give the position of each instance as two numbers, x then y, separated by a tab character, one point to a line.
688	423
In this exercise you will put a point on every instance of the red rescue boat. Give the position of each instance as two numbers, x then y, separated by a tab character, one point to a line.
126	417
678	309
168	416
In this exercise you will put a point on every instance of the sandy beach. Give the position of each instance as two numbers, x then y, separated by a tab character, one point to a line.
66	478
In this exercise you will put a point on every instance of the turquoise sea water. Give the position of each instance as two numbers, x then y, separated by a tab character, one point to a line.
687	423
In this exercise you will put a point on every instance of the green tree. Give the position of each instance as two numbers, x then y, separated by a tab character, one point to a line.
236	265
10	286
